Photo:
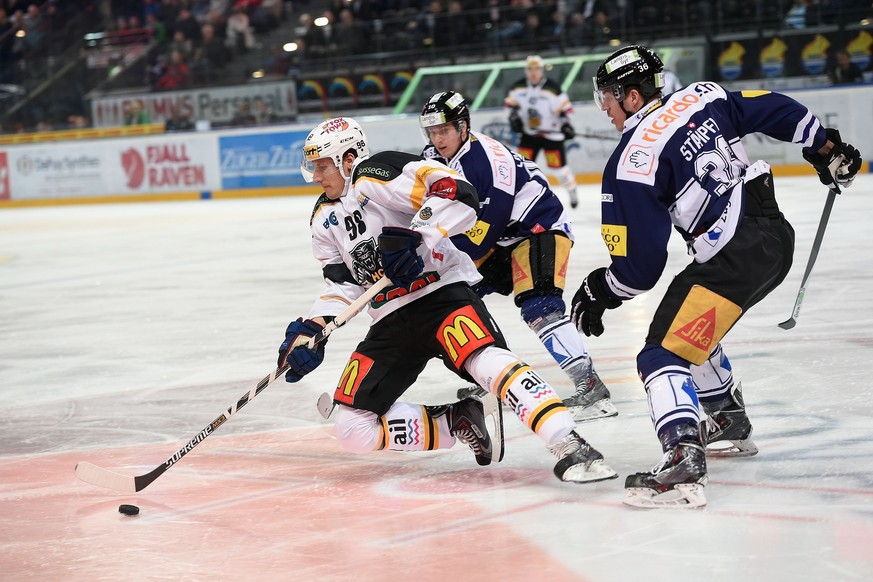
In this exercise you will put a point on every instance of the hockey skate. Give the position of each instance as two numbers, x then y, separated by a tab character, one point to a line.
468	423
574	198
471	391
728	429
591	400
578	461
678	480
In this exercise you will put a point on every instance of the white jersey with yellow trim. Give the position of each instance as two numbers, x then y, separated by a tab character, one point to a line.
542	107
391	189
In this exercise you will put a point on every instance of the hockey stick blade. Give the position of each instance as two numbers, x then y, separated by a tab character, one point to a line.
95	475
325	405
813	255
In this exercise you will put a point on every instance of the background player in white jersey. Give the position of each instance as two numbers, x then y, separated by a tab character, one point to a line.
680	163
521	241
539	110
391	214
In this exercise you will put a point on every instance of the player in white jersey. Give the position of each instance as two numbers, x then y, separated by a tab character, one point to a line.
521	241
392	214
680	164
539	110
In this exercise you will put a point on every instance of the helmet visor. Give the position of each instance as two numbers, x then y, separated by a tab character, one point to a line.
320	166
604	96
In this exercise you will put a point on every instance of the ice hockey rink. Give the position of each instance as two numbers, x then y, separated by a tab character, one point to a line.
125	329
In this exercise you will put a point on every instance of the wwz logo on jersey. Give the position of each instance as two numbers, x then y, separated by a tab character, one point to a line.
461	334
356	370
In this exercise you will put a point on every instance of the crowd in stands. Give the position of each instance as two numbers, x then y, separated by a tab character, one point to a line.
196	39
358	27
193	42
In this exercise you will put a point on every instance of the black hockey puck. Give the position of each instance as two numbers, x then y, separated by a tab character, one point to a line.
128	509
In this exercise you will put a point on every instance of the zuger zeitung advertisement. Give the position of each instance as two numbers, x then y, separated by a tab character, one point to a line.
217	105
177	163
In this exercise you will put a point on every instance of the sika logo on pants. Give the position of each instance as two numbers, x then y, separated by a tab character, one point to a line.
5	192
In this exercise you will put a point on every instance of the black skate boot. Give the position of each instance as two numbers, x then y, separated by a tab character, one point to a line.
471	391
678	480
728	429
578	461
467	422
591	400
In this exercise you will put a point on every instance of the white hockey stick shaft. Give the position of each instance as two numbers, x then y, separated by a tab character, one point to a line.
91	473
813	255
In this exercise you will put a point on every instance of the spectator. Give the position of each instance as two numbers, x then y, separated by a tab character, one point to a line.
459	27
240	37
136	114
182	44
597	29
243	116
156	28
178	120
844	71
188	25
263	113
279	61
350	36
210	57
177	75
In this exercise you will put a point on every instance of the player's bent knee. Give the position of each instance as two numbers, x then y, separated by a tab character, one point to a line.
358	431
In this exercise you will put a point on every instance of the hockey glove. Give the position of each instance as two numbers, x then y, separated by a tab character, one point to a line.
397	248
568	131
515	122
839	166
590	302
300	358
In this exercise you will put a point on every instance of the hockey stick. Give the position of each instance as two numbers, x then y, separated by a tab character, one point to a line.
819	235
95	475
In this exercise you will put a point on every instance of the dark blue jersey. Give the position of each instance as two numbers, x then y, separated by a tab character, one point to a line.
680	165
515	198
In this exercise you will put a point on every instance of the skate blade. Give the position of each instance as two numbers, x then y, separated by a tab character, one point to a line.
596	471
728	449
494	412
682	496
600	409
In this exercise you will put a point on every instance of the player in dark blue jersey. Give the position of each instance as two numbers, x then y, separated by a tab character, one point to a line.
521	241
680	165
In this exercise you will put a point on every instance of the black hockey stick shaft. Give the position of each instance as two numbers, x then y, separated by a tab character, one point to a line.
813	255
96	475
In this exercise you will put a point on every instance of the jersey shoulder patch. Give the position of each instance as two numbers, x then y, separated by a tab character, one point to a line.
552	87
384	166
322	201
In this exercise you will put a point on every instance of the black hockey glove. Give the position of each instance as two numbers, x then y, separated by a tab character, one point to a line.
838	167
590	302
515	122
300	359
397	248
568	131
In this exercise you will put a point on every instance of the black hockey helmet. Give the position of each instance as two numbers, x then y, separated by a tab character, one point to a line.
631	66
445	107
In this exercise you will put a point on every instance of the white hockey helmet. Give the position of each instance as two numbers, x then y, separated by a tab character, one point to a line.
333	139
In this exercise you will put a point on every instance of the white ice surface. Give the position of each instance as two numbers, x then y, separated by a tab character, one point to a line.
130	327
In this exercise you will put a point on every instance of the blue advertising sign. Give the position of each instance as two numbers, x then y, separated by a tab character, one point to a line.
261	160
